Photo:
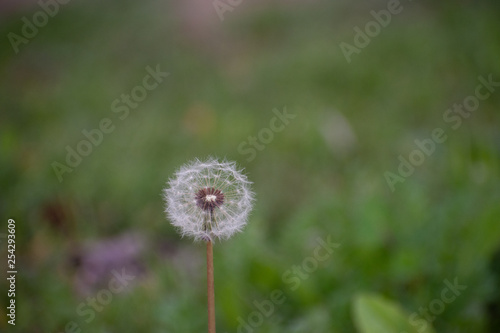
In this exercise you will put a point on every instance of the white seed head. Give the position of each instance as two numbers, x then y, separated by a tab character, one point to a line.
208	199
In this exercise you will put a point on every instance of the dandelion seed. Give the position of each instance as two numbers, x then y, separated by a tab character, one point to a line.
208	199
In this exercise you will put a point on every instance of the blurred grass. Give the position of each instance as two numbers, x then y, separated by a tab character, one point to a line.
441	223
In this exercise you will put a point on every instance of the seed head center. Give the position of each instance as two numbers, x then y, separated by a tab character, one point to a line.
209	198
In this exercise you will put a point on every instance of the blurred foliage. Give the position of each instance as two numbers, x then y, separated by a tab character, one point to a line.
225	80
373	314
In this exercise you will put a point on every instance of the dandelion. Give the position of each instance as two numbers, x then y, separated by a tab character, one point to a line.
209	200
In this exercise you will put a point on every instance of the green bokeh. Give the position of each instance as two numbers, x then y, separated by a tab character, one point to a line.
322	176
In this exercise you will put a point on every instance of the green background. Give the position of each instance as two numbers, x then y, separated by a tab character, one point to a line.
321	176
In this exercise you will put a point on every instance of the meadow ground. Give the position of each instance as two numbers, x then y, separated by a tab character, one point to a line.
372	141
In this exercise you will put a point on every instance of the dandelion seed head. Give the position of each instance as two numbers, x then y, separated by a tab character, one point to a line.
208	199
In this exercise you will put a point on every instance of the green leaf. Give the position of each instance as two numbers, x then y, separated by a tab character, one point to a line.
375	314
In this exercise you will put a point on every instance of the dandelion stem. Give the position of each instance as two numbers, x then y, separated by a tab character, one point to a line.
212	219
205	222
210	288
